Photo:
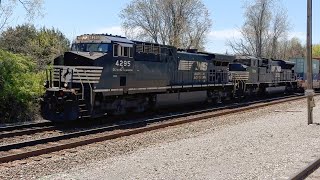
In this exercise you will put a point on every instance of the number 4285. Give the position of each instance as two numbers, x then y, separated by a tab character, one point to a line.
123	63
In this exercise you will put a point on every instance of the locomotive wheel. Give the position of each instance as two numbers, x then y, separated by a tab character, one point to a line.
120	110
209	101
67	112
140	108
152	103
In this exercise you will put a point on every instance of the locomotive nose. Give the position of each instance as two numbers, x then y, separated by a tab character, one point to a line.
74	58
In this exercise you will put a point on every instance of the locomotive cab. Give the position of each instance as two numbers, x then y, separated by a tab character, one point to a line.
238	72
74	76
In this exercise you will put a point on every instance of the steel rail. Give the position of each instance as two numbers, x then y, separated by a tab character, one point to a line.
306	171
148	127
22	126
26	131
8	147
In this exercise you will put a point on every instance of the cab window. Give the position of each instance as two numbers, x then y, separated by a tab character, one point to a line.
115	50
125	51
121	51
91	47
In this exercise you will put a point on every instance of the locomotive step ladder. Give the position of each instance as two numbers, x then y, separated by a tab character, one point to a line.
84	101
83	79
84	109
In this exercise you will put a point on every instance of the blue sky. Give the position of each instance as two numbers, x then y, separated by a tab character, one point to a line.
75	17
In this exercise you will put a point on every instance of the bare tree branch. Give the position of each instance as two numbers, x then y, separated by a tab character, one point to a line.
181	23
264	26
33	9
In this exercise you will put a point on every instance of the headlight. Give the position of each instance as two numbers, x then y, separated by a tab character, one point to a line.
65	85
46	84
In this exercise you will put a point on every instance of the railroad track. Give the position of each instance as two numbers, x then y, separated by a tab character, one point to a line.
25	129
23	126
17	151
306	171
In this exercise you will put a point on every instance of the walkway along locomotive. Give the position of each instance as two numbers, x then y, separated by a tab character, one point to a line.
111	74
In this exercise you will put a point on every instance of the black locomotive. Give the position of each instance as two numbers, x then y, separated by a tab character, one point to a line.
105	74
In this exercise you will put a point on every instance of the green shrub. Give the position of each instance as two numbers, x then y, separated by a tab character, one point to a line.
43	44
20	87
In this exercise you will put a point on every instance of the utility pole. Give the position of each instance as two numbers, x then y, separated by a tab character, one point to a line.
309	92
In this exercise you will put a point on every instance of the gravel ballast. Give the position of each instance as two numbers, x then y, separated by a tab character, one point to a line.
273	142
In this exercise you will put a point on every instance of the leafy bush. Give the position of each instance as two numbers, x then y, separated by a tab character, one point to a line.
20	86
43	44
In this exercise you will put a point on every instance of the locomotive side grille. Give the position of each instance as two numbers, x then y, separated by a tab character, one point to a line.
139	48
77	74
156	49
147	48
185	65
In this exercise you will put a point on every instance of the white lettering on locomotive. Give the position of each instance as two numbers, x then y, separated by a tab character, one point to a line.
122	70
185	65
123	63
123	66
275	68
199	76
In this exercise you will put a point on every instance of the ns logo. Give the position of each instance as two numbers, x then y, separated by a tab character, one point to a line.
185	65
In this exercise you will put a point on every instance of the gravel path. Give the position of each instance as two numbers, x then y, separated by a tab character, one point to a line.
272	142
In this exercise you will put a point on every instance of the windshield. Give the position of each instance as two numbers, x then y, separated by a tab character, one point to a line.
91	47
237	67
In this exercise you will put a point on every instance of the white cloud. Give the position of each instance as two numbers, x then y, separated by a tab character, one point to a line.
114	30
228	34
300	35
217	40
117	30
224	34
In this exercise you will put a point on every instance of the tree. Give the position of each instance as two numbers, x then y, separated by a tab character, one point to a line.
316	50
42	45
19	87
49	44
279	28
17	39
290	48
295	48
180	23
264	26
33	9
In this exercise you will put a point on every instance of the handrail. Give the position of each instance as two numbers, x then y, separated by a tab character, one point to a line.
91	98
83	75
59	78
81	67
50	81
82	92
